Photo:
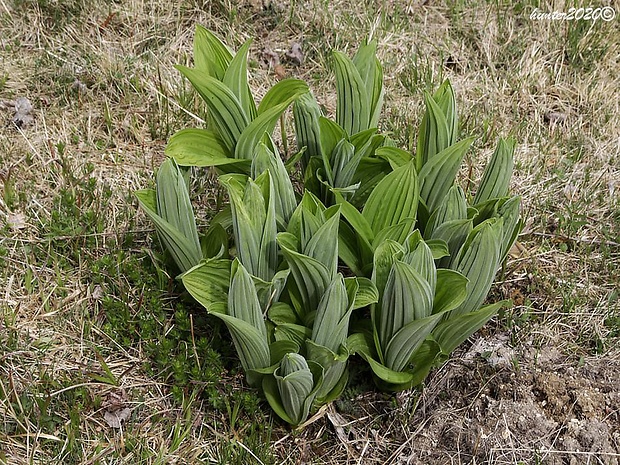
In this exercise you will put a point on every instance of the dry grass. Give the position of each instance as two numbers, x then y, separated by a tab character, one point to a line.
73	249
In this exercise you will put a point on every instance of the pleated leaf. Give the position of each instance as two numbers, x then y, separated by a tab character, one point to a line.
438	174
450	291
243	300
421	259
444	96
454	233
362	344
370	171
306	112
286	90
254	224
225	110
331	323
496	178
407	297
453	332
385	255
266	159
208	284
210	53
478	261
310	275
363	289
268	115
174	204
370	71
295	383
434	135
236	78
181	249
200	147
323	245
393	199
395	156
251	345
352	105
407	340
452	207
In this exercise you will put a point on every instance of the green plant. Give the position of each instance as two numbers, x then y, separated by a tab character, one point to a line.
414	252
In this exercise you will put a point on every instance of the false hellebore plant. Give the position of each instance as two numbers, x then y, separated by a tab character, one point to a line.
382	253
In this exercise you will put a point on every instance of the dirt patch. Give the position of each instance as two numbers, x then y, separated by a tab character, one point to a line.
539	408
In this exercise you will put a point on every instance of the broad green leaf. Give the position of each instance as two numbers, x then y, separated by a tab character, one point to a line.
226	112
285	91
344	163
323	245
423	360
439	248
496	178
282	313
434	135
352	105
356	220
362	140
444	96
407	297
349	250
210	53
266	120
266	159
279	349
295	384
370	172
183	250
250	343
397	233
453	332
243	300
334	366
478	261
370	71
198	147
331	133
236	78
270	389
367	293
214	243
407	340
421	259
393	199
331	323
452	207
397	157
437	175
254	224
385	255
450	292
208	283
306	112
454	234
311	276
174	204
292	332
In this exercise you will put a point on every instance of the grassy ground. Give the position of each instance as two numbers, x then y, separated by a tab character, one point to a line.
92	328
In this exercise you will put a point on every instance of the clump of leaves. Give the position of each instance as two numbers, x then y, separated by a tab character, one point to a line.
377	231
